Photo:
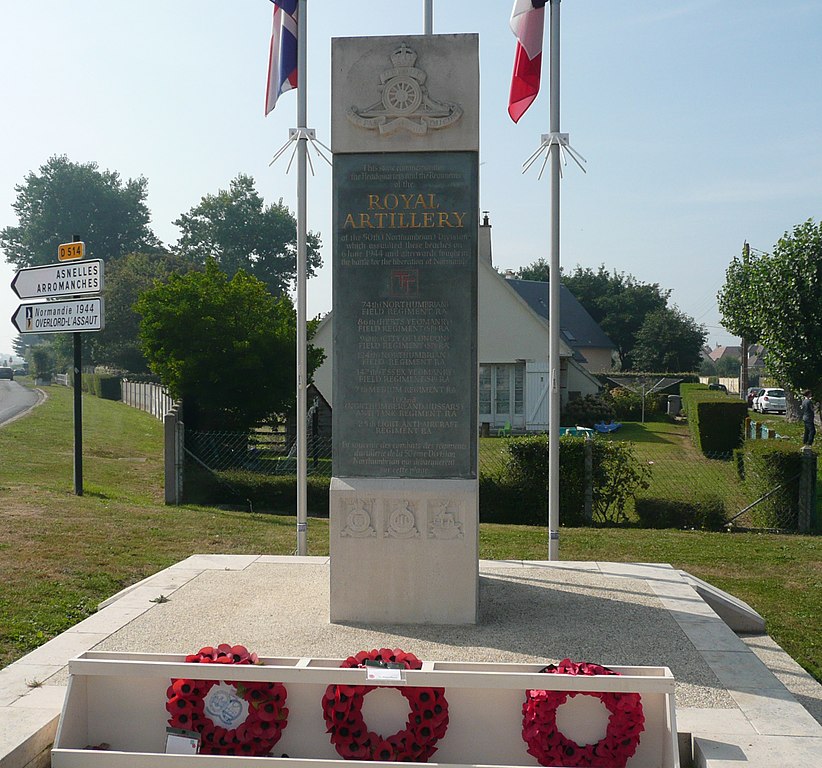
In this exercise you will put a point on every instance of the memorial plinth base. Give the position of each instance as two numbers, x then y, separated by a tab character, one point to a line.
404	551
119	699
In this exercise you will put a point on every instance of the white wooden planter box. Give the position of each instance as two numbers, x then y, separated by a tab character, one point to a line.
120	699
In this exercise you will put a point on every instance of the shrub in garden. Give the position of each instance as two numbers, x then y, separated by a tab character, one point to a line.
628	404
769	464
523	486
587	411
618	475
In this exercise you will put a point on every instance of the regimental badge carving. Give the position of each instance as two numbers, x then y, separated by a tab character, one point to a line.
443	519
404	102
400	521
359	520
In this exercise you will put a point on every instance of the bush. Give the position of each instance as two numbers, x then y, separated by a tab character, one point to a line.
705	513
265	493
587	411
107	386
769	464
618	475
519	494
628	404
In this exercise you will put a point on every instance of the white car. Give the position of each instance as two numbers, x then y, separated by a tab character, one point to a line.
770	399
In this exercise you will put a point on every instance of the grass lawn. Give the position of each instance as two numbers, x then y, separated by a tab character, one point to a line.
60	554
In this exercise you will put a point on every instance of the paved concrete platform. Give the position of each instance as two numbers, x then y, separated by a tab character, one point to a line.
741	701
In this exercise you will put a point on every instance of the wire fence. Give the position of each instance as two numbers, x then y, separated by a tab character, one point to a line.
684	487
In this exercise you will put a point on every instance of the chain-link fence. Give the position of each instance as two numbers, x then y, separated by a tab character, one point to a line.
262	451
684	487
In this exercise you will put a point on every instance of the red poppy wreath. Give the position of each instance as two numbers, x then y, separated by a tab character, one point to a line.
427	720
242	718
551	747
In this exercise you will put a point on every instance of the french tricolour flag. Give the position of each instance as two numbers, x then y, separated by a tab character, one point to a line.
282	54
527	23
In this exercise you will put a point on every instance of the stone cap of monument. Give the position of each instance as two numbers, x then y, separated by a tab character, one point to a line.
408	93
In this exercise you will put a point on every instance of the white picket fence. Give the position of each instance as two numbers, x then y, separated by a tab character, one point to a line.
148	397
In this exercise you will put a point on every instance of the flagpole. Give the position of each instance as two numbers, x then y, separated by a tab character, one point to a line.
553	298
428	17
302	340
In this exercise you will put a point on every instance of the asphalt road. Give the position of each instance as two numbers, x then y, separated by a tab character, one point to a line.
15	400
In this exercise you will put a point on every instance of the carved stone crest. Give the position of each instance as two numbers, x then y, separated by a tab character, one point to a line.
401	522
358	520
405	103
443	520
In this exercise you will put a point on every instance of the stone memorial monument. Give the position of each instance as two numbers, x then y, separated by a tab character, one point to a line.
404	502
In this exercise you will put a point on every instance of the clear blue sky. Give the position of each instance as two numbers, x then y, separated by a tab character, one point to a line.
700	120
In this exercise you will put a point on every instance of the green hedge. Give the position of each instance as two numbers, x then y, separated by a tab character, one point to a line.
768	464
706	512
104	385
716	421
266	493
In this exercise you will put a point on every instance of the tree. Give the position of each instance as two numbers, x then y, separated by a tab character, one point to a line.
224	345
782	293
734	298
540	271
619	303
66	199
237	230
668	342
118	344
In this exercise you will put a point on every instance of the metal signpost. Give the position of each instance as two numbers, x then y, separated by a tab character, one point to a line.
82	313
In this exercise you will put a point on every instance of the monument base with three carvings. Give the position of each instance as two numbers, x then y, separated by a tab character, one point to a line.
404	551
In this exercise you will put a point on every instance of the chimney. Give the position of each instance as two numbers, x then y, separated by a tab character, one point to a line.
484	240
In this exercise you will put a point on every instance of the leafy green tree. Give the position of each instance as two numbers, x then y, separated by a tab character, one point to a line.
118	344
668	342
619	303
782	292
224	345
65	199
734	298
540	271
237	230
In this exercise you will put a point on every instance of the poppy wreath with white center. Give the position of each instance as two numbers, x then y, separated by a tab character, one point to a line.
427	720
267	713
551	747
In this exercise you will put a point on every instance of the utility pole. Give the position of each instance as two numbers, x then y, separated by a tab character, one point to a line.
743	374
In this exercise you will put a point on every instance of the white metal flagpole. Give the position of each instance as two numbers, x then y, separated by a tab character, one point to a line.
553	299
428	17
302	340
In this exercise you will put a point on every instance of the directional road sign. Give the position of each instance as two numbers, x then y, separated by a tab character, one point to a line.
64	316
71	251
80	279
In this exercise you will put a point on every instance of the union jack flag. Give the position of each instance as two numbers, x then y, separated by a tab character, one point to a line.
527	23
282	53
